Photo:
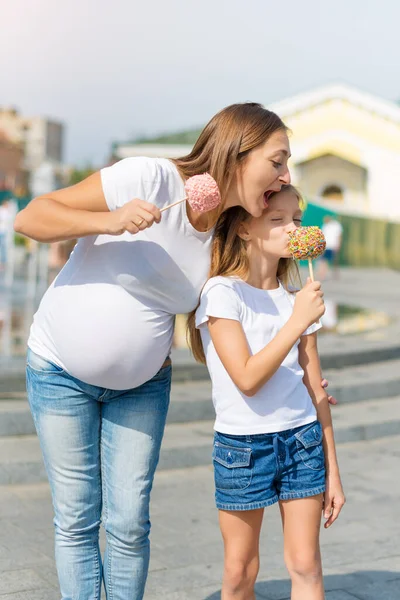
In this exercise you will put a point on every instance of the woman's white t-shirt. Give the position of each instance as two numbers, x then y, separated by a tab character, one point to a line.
108	317
283	402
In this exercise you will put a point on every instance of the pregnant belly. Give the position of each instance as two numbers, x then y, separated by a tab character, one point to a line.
116	345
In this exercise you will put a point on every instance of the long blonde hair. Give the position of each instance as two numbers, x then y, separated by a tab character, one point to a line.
226	140
229	258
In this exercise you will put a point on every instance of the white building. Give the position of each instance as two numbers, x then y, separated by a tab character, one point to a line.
346	149
151	150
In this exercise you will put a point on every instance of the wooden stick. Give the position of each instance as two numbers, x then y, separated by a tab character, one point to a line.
171	205
310	266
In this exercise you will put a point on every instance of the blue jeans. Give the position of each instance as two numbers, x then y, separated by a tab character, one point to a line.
101	449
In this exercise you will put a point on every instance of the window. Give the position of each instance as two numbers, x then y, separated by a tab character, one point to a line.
333	192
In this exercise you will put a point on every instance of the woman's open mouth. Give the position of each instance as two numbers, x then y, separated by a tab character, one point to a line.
267	196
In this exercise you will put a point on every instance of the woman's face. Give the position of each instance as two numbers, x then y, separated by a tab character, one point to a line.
263	171
269	234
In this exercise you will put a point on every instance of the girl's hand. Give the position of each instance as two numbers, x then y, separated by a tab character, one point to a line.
309	305
331	399
134	216
334	499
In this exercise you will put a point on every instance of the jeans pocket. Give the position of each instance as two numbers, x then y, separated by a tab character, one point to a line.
232	467
42	365
309	446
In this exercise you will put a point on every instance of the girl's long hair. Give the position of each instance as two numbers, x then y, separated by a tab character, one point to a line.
225	142
229	258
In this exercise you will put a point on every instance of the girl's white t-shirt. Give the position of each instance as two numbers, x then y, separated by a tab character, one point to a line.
108	318
283	402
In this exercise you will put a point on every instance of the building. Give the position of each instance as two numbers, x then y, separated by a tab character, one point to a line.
157	150
42	139
345	150
11	163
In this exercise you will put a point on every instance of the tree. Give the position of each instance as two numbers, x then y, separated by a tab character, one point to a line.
78	175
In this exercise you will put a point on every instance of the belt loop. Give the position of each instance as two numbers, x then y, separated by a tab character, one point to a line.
248	439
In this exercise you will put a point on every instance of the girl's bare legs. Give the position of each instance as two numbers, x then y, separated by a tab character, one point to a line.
241	533
301	519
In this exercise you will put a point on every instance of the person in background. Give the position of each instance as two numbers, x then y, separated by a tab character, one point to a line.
333	231
7	215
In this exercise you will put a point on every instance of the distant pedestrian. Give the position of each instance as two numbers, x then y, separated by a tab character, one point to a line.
7	215
333	232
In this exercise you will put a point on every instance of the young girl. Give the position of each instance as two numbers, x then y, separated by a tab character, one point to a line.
273	431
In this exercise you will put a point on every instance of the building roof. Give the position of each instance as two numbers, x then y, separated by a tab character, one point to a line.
152	150
338	91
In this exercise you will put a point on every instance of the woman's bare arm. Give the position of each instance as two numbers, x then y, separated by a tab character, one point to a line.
81	210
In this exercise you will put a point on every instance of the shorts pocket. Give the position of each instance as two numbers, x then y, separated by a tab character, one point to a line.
42	365
232	467
309	446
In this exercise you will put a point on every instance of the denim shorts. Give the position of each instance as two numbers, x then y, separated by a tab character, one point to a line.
255	471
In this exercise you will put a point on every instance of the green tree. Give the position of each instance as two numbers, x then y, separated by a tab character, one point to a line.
78	175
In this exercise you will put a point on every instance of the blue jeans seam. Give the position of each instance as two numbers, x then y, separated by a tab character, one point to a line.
96	542
105	516
97	571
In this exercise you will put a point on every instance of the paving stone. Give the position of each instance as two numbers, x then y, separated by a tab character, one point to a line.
32	595
20	581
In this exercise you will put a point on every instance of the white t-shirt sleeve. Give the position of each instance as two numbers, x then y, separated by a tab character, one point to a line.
134	177
220	300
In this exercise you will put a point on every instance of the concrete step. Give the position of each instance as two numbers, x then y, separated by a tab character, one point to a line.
189	444
191	400
336	352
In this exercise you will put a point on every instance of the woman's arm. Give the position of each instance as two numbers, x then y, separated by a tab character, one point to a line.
81	210
309	361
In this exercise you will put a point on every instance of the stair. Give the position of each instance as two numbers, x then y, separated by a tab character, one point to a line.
191	400
188	444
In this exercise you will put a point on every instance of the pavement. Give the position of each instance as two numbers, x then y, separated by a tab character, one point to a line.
361	552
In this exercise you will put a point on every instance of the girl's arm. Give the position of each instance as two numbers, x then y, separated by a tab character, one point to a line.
81	210
251	372
309	361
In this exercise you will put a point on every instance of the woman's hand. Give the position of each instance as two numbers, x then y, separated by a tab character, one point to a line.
334	499
134	216
331	399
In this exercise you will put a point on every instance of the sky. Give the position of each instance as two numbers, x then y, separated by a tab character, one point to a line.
112	71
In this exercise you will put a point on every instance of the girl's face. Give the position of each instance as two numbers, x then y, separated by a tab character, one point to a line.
269	234
263	171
